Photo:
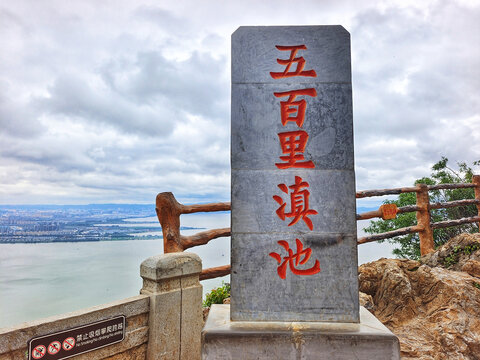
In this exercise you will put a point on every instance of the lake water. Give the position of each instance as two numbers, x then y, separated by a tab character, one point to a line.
40	280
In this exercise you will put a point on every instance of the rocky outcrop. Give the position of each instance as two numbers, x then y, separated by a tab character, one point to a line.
459	254
433	306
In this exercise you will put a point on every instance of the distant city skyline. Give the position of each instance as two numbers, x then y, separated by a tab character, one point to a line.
116	101
43	224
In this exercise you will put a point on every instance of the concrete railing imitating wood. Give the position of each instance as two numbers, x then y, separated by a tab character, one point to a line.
422	208
169	211
164	322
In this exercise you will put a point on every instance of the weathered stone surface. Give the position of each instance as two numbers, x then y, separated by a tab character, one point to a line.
455	253
170	265
328	121
258	293
254	209
131	341
434	311
191	322
164	325
138	353
175	318
254	49
329	294
366	301
366	340
15	338
472	267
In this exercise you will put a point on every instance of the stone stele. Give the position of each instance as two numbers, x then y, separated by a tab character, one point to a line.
293	179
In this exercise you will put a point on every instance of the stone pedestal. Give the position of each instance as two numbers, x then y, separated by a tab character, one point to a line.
226	339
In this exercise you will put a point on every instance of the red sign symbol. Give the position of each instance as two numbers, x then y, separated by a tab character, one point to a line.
39	351
68	343
54	347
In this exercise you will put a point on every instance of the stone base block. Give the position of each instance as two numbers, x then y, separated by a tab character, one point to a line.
226	339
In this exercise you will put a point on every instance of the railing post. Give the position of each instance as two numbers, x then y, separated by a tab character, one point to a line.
168	213
175	319
423	220
476	181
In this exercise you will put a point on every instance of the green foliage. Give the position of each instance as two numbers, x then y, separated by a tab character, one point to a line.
477	285
470	248
450	260
217	295
457	250
409	245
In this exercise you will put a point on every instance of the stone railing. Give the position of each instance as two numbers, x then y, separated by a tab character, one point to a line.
163	322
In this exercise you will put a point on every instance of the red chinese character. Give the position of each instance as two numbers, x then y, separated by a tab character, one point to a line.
290	106
299	206
294	260
288	63
293	144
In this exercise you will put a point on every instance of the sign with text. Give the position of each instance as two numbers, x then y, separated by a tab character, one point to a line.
389	211
79	340
294	251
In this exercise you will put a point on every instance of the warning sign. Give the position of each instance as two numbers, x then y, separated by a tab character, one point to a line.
54	347
79	340
39	351
68	344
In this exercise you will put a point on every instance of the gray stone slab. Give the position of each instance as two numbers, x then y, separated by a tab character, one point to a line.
328	122
367	340
261	186
254	54
330	295
332	195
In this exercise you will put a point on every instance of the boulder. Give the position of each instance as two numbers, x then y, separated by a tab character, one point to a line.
432	305
455	253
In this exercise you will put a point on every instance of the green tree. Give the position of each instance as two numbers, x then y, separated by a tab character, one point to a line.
409	245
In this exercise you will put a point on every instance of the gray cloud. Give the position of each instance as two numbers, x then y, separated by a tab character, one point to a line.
17	120
71	96
99	105
195	85
415	90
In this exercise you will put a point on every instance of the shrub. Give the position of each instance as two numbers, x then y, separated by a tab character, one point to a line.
217	295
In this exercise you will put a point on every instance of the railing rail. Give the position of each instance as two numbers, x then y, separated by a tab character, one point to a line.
169	211
422	208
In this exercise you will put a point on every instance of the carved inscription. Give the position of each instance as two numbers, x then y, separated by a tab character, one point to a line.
293	145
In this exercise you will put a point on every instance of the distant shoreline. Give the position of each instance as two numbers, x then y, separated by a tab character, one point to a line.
22	239
82	240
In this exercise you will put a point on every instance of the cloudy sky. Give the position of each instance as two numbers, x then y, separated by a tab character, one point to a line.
115	101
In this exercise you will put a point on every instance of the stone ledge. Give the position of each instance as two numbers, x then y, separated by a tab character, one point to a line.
14	338
223	338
